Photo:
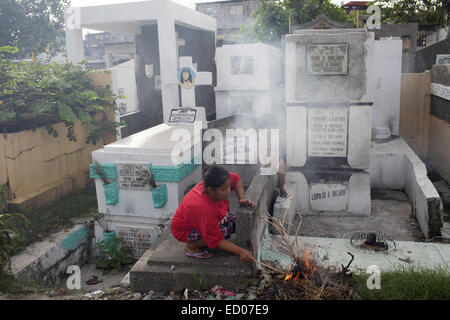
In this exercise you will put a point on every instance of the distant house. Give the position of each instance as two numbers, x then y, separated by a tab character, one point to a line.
230	16
107	49
355	5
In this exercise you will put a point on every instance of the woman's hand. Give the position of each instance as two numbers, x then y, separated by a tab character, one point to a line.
246	256
247	202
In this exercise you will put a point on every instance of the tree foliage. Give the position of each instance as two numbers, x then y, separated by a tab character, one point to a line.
272	18
420	11
32	26
34	94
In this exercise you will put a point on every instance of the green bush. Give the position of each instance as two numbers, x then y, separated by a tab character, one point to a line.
34	94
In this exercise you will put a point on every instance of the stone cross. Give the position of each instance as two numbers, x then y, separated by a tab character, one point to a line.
202	79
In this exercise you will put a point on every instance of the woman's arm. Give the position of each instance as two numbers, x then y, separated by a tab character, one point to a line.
243	254
239	189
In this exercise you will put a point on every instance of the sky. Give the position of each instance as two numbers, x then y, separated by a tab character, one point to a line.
187	3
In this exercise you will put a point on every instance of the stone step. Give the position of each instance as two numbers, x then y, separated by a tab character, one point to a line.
165	267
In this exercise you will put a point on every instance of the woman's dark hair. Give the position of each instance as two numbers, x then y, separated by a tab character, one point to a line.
215	176
181	75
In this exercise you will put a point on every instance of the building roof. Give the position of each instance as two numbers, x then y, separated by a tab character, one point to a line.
323	22
356	3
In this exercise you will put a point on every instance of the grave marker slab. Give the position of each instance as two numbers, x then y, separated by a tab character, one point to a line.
327	59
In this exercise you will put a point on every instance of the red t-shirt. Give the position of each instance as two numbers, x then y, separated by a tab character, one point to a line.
198	211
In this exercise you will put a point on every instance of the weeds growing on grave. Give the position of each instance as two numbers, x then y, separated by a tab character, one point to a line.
112	255
8	231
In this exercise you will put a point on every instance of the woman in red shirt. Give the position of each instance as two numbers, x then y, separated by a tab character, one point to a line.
202	218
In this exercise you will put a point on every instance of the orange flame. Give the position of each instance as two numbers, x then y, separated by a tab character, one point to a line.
309	266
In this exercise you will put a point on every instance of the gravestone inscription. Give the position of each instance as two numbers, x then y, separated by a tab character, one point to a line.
133	176
327	59
327	134
242	64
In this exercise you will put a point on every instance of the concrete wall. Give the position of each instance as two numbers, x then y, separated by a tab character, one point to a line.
415	111
439	136
408	32
426	57
40	168
394	165
386	106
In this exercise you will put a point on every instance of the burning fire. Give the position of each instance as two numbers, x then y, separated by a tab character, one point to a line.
308	267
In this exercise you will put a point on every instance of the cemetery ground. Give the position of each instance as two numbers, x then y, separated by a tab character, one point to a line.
401	283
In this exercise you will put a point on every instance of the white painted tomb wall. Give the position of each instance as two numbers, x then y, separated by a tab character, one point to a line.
249	80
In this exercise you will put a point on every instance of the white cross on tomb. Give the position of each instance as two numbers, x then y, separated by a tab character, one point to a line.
202	79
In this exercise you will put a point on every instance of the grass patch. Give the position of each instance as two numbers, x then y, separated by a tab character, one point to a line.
8	284
406	284
54	217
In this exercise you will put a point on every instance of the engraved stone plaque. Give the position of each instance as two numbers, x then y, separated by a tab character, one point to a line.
328	197
327	59
138	240
241	64
327	132
182	115
443	59
133	176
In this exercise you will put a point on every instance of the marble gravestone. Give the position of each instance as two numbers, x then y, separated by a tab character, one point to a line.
329	94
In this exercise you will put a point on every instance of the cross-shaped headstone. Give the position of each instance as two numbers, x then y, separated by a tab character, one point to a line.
201	79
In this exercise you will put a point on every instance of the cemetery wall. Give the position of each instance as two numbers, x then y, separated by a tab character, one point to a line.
408	32
415	111
425	117
426	57
40	168
439	152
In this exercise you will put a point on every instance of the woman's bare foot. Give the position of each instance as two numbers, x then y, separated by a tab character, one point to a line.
197	253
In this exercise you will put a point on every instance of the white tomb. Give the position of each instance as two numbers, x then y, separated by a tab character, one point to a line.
329	102
249	80
171	152
151	150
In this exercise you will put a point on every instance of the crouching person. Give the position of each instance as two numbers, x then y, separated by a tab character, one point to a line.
202	219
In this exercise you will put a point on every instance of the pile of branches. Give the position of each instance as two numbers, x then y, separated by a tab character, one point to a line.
305	279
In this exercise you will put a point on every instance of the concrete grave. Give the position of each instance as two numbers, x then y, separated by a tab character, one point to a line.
324	136
165	31
135	215
343	62
329	99
249	80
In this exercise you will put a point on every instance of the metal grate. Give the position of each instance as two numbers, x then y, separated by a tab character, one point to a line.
370	241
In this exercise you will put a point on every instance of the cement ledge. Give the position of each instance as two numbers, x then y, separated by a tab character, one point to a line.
330	252
394	165
48	260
